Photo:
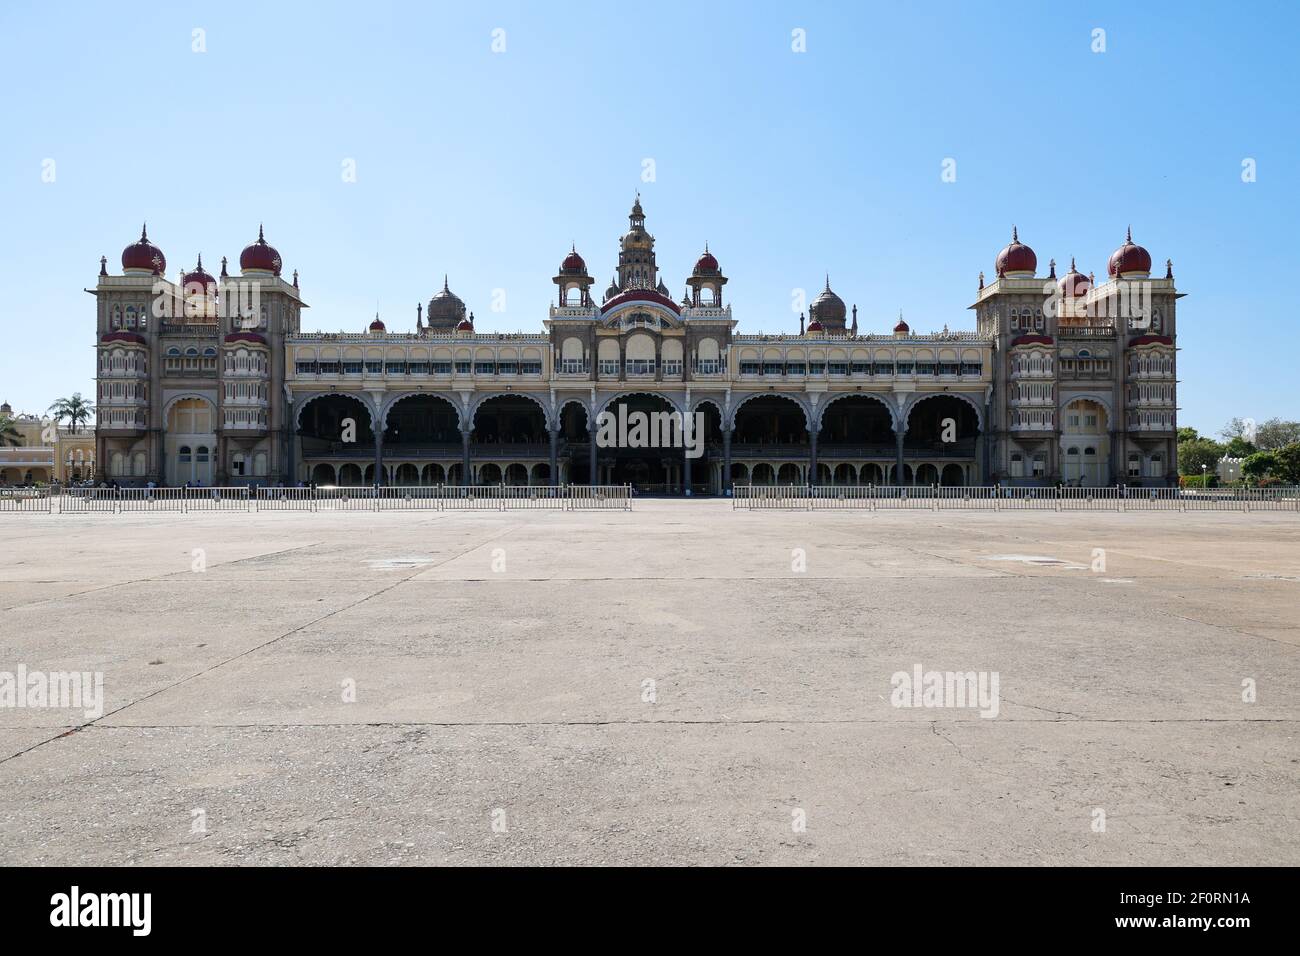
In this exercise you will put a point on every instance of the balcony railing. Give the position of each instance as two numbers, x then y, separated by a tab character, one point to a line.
1085	331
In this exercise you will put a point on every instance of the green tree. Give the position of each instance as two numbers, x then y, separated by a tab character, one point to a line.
1275	433
1288	463
1197	452
1187	433
76	410
1239	447
1262	464
9	433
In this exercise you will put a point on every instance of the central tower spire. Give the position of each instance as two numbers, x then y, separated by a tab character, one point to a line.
636	257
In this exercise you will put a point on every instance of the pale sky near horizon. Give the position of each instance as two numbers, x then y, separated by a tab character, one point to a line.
486	164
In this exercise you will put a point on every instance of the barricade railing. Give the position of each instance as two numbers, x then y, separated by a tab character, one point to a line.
89	500
955	497
599	497
151	499
470	497
839	497
502	497
904	497
526	497
26	500
1117	498
286	499
234	498
1089	499
408	498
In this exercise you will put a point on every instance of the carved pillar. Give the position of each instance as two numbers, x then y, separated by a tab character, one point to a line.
555	456
726	459
290	468
812	456
591	434
464	456
898	455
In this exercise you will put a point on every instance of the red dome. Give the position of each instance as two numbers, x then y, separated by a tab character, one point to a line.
260	257
465	326
378	326
144	256
573	262
254	337
1129	258
706	263
133	337
198	280
1074	283
640	295
1016	257
815	326
902	326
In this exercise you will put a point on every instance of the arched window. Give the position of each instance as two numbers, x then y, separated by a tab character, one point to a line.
1072	451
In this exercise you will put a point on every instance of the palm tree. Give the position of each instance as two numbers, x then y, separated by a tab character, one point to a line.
9	433
75	409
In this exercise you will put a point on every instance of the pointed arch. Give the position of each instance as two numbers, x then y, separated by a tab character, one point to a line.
800	402
478	401
302	401
389	401
963	396
602	405
877	396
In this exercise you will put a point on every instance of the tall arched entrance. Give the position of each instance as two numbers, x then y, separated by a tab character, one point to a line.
856	429
1085	443
574	452
190	447
942	430
509	430
335	430
635	444
770	431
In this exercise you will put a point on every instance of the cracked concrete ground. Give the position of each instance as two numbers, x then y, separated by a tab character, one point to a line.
516	695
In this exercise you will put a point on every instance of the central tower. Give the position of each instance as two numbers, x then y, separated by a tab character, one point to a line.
636	257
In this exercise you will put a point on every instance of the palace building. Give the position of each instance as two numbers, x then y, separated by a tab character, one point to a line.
43	451
211	379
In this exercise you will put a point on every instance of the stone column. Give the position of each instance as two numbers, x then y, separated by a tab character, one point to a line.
555	456
290	467
686	473
464	457
591	434
812	457
380	477
726	459
898	454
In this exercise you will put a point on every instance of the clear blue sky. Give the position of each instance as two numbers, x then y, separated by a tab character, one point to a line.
486	165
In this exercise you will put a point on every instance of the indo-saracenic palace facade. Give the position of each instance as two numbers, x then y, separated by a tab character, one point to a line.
212	380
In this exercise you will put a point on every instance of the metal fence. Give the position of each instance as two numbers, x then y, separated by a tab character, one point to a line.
1009	498
600	497
26	500
218	499
391	498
